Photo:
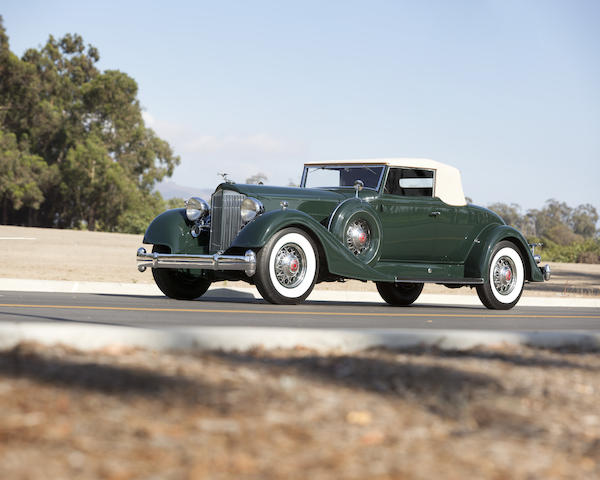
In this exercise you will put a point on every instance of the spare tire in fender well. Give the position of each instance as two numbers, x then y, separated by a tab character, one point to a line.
356	214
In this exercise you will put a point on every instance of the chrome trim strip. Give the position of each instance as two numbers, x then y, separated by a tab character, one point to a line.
336	209
441	281
246	262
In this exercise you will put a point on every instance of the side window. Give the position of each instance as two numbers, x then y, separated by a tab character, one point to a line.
410	182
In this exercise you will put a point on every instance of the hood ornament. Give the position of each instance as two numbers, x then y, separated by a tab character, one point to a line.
225	176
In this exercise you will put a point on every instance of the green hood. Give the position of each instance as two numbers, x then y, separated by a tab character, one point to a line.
315	202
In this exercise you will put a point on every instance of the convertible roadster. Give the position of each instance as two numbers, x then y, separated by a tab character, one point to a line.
397	222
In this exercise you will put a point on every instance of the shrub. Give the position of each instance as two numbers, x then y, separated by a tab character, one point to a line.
582	251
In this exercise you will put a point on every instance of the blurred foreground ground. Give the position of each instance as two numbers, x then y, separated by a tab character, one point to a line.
51	254
514	413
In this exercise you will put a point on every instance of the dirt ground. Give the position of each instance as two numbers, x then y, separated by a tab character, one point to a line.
51	254
514	413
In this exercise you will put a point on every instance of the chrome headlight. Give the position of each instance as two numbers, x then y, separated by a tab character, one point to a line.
196	208
251	207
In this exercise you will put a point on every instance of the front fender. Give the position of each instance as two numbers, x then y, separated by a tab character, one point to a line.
340	261
171	228
263	227
480	255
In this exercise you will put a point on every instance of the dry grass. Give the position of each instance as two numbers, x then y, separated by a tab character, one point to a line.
491	414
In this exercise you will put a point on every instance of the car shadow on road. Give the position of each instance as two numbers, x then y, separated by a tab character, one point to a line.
224	295
214	295
389	308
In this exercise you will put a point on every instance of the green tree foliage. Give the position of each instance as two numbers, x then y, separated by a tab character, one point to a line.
569	234
74	149
583	220
513	215
23	176
563	224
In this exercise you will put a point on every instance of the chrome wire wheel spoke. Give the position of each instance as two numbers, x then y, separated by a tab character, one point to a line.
290	265
504	275
358	236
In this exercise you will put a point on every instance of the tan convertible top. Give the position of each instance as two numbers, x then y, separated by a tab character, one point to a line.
448	184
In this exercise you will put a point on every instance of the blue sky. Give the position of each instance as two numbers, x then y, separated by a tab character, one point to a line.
507	91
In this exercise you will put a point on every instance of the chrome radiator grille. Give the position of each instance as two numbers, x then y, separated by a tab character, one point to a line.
225	219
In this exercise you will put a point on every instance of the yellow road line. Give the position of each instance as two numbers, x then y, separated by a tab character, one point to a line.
292	312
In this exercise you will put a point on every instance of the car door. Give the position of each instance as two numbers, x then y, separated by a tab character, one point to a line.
417	226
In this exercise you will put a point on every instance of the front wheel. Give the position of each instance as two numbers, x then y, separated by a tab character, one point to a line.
176	283
399	294
506	276
287	267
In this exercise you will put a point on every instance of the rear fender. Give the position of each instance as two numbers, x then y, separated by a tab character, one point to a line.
480	255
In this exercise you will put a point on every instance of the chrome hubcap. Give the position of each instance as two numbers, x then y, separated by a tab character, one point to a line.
358	237
504	275
290	265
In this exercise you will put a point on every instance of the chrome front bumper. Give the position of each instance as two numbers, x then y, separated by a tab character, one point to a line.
246	262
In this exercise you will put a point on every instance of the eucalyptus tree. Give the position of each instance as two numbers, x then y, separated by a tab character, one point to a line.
93	160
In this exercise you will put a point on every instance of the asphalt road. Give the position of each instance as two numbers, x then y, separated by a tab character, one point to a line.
240	310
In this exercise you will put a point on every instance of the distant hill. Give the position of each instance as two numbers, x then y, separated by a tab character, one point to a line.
169	189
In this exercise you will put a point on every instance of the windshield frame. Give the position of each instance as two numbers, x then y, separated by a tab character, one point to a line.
382	176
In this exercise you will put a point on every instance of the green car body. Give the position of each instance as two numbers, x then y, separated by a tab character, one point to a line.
412	239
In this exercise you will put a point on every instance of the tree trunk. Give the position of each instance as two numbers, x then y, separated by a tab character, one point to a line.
4	211
91	220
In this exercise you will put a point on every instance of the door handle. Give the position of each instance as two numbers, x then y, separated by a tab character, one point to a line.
434	214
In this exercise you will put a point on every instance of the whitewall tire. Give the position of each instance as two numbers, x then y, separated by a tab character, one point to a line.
287	267
503	286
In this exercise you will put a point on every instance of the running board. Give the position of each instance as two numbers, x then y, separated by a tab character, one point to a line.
443	281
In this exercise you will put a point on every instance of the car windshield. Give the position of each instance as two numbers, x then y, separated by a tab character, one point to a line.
323	176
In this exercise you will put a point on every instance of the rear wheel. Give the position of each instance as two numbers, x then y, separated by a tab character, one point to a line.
176	283
506	276
287	267
399	294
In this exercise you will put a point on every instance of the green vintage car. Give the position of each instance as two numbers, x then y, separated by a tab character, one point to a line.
397	222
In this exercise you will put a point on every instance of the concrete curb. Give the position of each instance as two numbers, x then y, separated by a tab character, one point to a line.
147	289
94	337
